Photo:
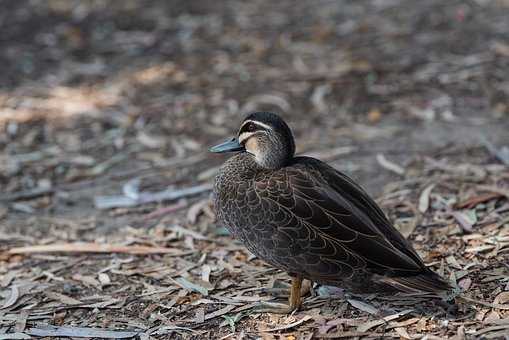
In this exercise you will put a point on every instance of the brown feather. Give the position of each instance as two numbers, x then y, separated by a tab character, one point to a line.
308	219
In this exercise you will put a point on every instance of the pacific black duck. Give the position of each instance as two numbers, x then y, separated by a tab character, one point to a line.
308	219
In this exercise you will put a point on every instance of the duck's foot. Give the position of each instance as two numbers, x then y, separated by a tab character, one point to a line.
276	292
274	307
294	301
284	290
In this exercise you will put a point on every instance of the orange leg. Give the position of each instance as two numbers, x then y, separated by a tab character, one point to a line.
294	300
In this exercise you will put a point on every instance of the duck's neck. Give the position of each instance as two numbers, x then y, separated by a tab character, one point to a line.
274	160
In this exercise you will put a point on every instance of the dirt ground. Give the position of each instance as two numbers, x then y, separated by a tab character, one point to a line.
107	106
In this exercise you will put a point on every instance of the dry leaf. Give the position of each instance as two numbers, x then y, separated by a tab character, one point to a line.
402	333
184	283
363	306
14	336
195	210
368	325
21	320
151	141
464	220
425	198
291	325
465	284
91	248
385	163
66	300
87	280
104	279
501	298
374	116
79	332
491	317
3	211
13	297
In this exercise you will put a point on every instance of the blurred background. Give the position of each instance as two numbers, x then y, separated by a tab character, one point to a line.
96	94
140	82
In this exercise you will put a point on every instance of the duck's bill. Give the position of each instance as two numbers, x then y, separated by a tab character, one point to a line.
231	145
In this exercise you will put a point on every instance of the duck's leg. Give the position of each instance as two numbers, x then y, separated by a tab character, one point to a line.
306	287
284	289
294	300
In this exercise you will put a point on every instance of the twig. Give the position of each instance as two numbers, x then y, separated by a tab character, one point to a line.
482	303
20	195
79	332
90	248
473	201
165	210
463	222
171	163
500	191
107	202
501	154
385	163
291	325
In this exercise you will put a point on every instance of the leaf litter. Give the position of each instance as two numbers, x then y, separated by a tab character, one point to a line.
107	227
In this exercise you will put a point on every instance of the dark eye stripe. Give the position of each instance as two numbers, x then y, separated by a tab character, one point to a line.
250	127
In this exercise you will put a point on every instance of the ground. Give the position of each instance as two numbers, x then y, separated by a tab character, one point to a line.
104	103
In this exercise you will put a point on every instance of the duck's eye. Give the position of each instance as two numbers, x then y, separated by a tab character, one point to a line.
251	127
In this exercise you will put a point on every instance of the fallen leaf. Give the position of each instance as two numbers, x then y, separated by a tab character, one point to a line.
195	210
374	115
123	201
91	248
474	201
199	318
81	332
184	283
8	278
104	279
3	211
220	312
491	317
290	325
465	284
66	300
463	220
13	297
205	273
402	333
21	320
501	298
385	163
406	226
363	306
151	141
368	325
15	336
451	260
425	198
87	280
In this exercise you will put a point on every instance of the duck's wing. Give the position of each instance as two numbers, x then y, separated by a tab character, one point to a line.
332	219
369	216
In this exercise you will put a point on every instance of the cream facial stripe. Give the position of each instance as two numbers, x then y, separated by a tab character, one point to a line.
244	136
265	126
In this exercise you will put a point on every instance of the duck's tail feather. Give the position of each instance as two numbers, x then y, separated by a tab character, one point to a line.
428	282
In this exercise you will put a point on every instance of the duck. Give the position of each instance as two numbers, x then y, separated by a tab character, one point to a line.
304	217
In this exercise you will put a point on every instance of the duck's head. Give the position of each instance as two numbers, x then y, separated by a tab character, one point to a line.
266	137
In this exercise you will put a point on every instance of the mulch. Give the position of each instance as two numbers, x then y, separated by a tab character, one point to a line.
106	113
